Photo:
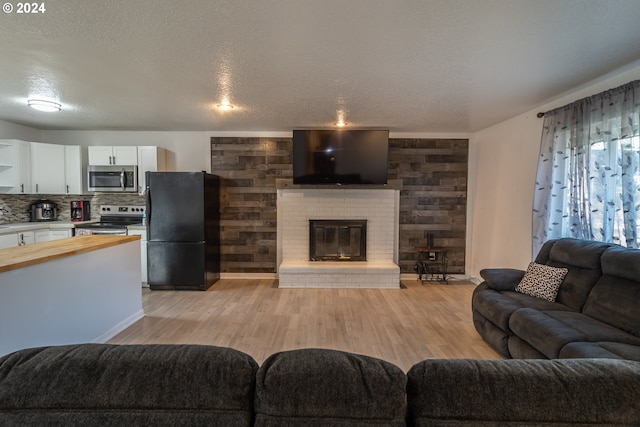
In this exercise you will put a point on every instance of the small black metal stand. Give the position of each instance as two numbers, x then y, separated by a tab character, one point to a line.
432	265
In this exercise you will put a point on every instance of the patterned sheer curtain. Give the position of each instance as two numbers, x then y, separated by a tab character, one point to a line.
588	179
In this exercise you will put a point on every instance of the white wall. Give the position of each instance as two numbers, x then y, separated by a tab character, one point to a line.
503	164
186	151
10	130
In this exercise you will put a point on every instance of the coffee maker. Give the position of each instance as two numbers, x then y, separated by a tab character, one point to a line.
80	210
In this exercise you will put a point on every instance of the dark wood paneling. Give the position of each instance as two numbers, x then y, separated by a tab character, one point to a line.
248	199
433	198
432	201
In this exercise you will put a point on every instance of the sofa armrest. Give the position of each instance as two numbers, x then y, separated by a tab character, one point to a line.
502	279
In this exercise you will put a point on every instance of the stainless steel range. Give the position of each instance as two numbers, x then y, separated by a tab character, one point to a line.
114	219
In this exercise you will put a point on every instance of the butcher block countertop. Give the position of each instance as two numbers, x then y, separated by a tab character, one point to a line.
36	253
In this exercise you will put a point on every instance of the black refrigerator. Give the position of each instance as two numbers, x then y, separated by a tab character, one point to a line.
183	230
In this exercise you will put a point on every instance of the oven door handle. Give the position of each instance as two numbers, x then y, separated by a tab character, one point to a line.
114	231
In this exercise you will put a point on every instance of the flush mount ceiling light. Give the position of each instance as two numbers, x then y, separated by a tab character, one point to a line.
224	106
341	123
42	105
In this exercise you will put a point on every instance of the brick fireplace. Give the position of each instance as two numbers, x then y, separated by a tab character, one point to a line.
379	207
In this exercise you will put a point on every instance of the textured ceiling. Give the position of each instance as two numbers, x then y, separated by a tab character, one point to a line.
403	65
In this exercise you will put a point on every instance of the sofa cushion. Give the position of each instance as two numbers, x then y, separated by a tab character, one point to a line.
541	281
578	253
519	349
549	331
498	306
608	350
545	250
615	299
320	387
582	258
101	384
456	393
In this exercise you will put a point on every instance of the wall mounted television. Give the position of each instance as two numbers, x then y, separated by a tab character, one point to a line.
341	156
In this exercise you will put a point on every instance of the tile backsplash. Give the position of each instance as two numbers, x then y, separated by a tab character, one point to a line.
15	207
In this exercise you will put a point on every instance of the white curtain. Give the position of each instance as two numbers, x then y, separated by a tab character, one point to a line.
588	179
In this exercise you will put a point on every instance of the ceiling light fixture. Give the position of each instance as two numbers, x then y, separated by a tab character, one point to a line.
341	123
225	106
42	105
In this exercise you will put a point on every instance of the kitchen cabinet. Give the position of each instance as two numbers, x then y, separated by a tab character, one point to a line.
47	235
150	159
47	168
113	155
25	238
74	178
15	166
143	251
41	168
8	241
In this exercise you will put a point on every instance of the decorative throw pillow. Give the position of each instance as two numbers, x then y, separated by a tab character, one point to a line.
542	281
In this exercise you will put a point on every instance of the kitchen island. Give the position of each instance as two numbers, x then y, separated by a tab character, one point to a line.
74	290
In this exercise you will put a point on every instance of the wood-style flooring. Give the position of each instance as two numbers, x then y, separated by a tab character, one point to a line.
402	326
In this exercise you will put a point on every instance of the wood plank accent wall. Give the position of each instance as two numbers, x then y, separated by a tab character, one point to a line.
433	199
250	167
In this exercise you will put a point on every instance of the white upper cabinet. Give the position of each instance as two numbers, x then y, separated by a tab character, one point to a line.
150	159
113	155
15	166
73	166
47	168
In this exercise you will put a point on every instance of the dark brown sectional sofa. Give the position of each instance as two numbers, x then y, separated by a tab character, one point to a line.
191	385
596	313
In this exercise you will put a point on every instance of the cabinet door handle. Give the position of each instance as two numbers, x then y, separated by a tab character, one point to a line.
67	189
22	188
36	188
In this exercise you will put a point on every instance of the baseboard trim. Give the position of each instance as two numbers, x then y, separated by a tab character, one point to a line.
255	276
121	326
451	277
403	276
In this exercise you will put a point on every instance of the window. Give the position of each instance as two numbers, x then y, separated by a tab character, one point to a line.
588	180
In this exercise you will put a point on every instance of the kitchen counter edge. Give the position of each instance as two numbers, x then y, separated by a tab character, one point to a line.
37	253
17	227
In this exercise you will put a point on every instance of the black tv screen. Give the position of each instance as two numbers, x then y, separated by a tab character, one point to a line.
340	156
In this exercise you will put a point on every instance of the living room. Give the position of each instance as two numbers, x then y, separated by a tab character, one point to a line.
471	113
502	155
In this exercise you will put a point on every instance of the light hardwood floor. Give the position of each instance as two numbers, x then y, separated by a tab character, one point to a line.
402	326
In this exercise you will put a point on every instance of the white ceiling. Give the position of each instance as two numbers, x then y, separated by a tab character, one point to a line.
403	65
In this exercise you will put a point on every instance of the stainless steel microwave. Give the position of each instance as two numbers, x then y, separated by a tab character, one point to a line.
113	179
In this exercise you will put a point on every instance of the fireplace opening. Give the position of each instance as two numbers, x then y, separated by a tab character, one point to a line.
337	240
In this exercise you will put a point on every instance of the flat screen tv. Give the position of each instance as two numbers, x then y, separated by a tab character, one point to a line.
340	156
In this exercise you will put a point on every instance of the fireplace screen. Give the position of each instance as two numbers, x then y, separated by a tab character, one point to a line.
337	240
